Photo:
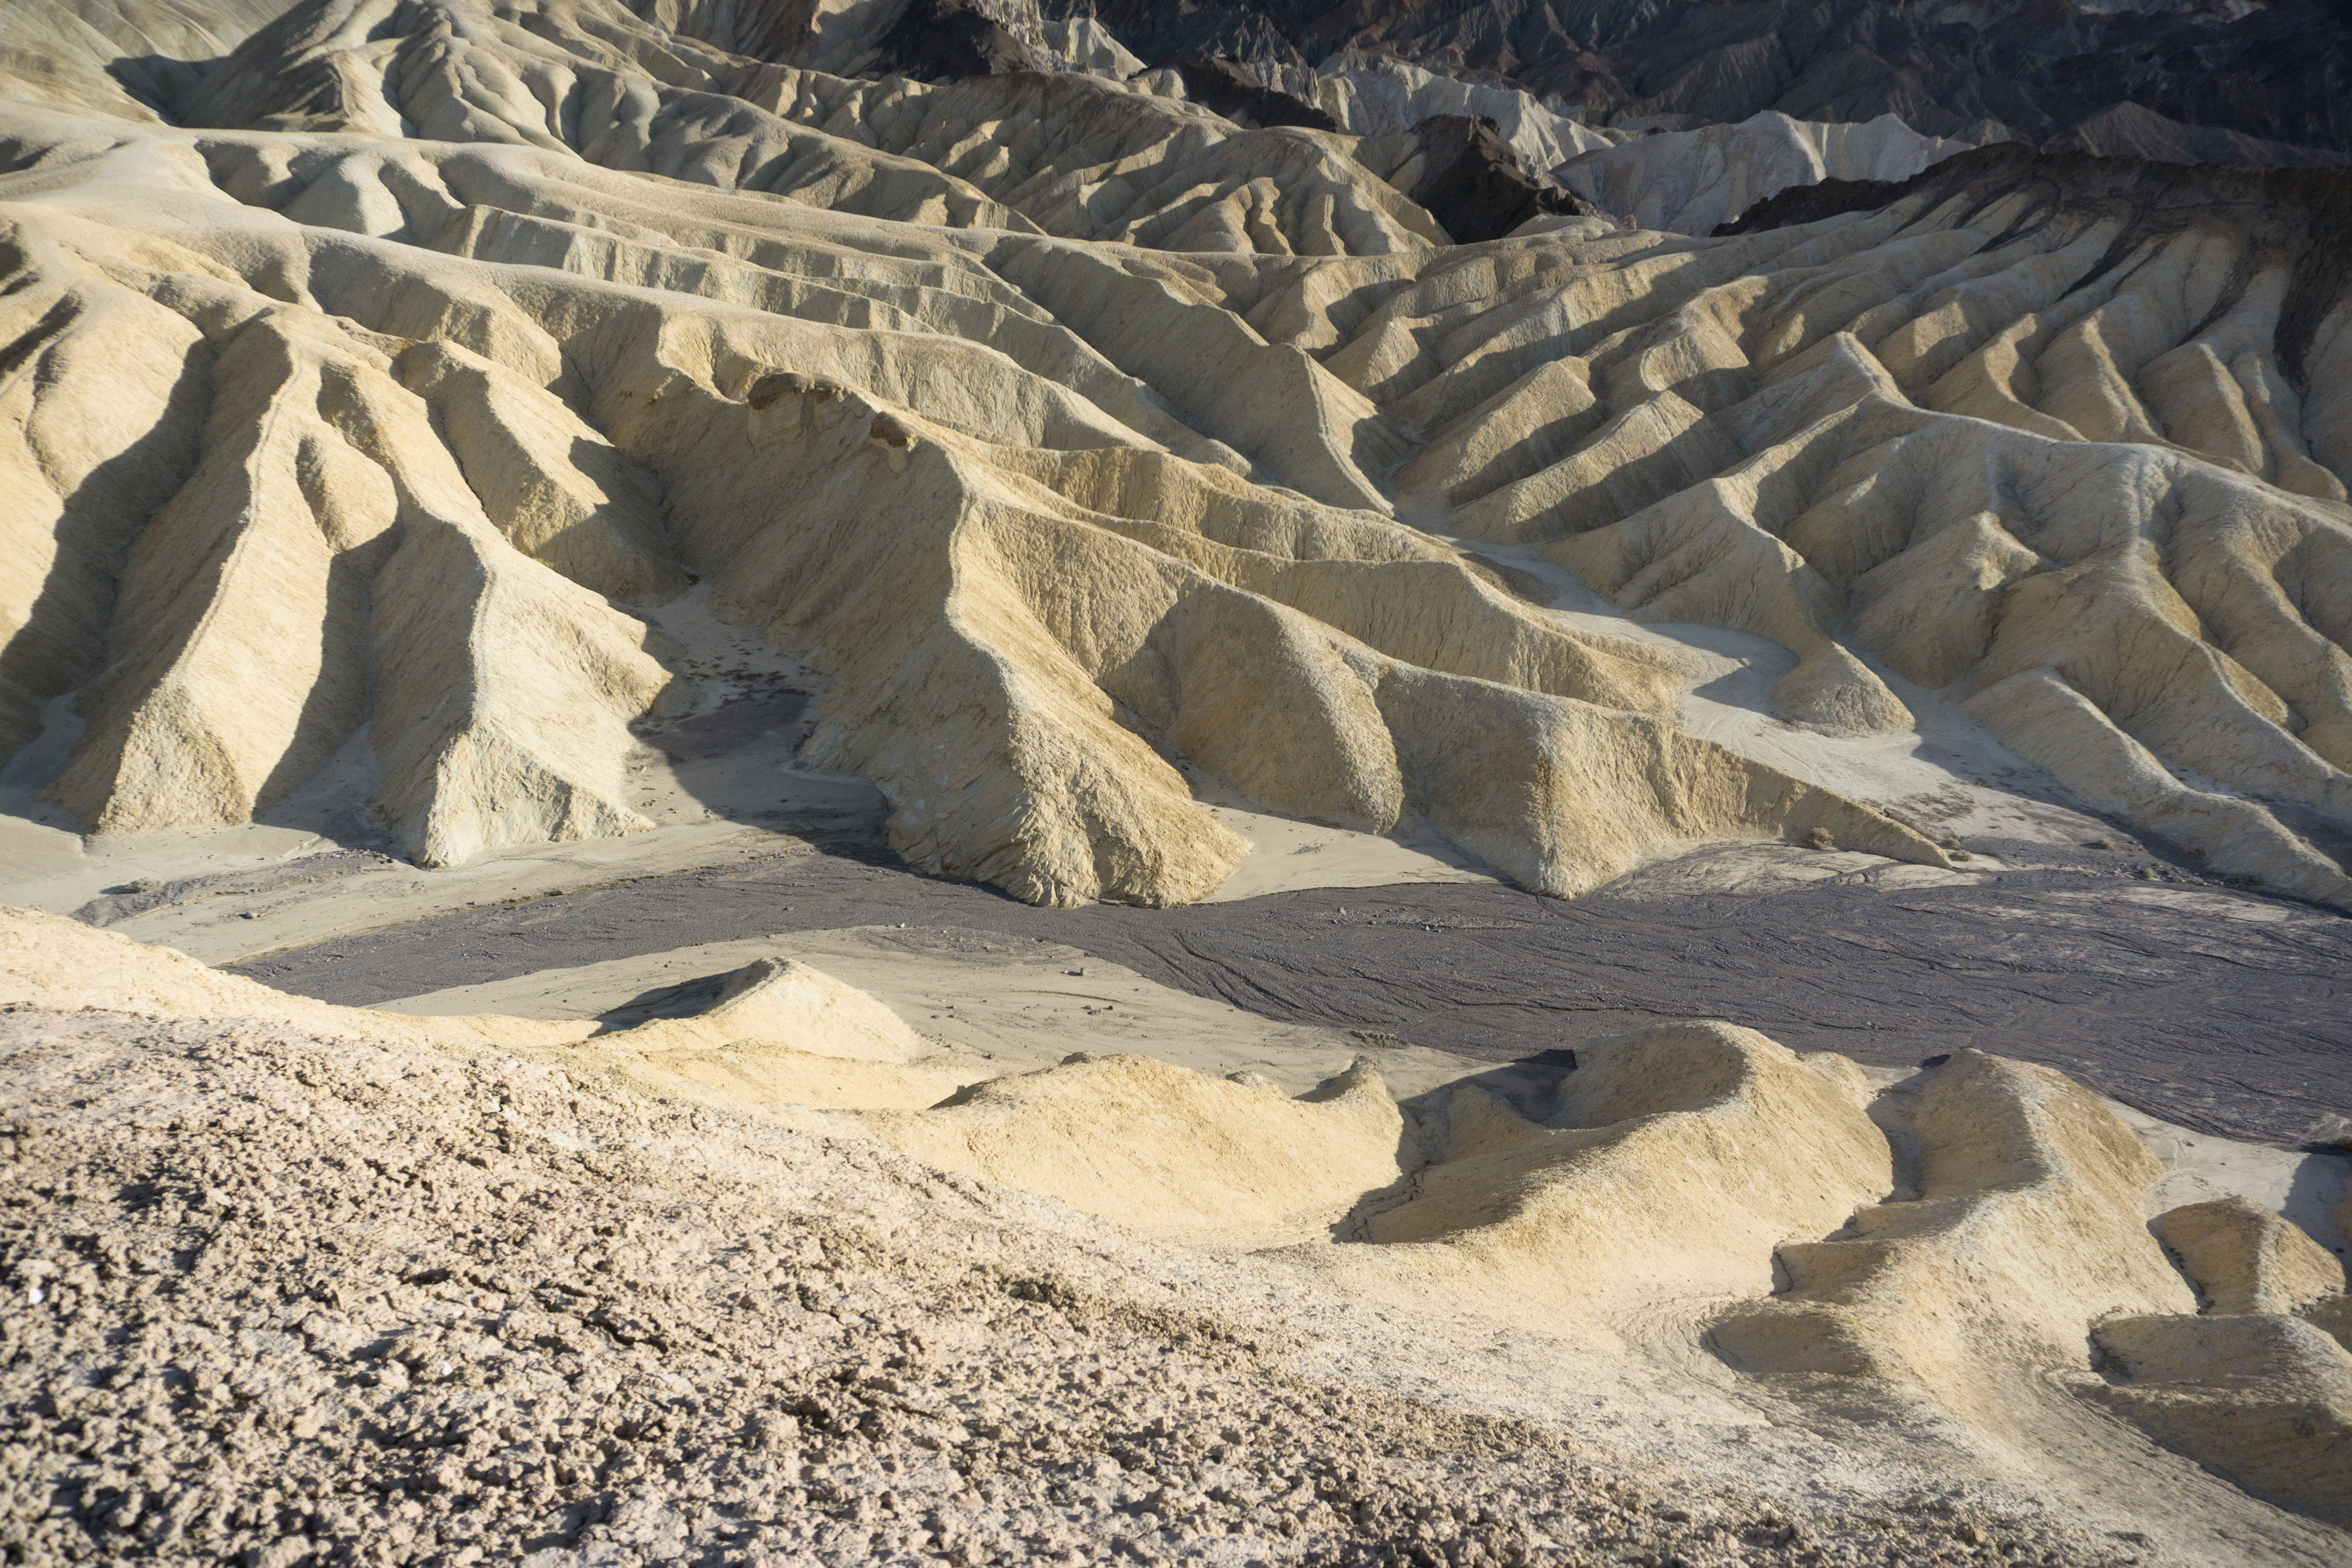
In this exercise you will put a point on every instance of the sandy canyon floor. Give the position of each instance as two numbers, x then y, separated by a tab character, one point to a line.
405	1301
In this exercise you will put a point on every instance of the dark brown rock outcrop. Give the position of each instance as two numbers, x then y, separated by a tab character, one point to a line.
1471	181
1228	87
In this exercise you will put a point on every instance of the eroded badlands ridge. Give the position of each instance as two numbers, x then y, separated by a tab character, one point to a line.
1026	407
1114	478
2270	70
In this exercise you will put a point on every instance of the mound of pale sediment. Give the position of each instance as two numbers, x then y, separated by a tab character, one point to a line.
779	1033
409	1304
2265	1399
1169	1152
2017	1231
1668	1172
2022	1226
1669	1166
1690	181
2245	1258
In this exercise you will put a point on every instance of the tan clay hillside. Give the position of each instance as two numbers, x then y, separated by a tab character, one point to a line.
354	372
537	520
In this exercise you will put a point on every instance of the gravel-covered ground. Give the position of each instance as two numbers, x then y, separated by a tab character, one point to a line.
275	1300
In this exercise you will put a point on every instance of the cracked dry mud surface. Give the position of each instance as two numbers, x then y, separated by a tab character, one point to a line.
2222	1011
276	1297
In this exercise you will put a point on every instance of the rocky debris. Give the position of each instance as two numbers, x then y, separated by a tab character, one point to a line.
777	385
330	1301
1228	87
1666	1170
1470	179
2116	1002
138	897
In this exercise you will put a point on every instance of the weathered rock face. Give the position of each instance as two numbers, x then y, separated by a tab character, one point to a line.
2275	72
1222	84
947	40
1691	181
1068	428
1469	178
1378	94
2131	130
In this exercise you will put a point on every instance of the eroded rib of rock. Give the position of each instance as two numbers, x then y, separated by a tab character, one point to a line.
1988	423
2020	415
102	404
1691	181
2026	1228
325	566
1022	580
1667	1171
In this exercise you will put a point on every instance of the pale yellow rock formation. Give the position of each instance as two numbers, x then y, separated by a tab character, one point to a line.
324	543
487	335
2042	718
556	488
101	412
2264	1399
1672	1170
1070	154
2245	1258
1672	1162
781	1033
2025	1228
867	491
1166	1151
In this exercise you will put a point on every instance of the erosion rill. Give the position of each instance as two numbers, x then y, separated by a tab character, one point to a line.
1004	781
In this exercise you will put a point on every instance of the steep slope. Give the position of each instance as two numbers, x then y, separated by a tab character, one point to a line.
1379	95
2272	71
1067	429
1694	182
2025	422
1068	152
900	451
